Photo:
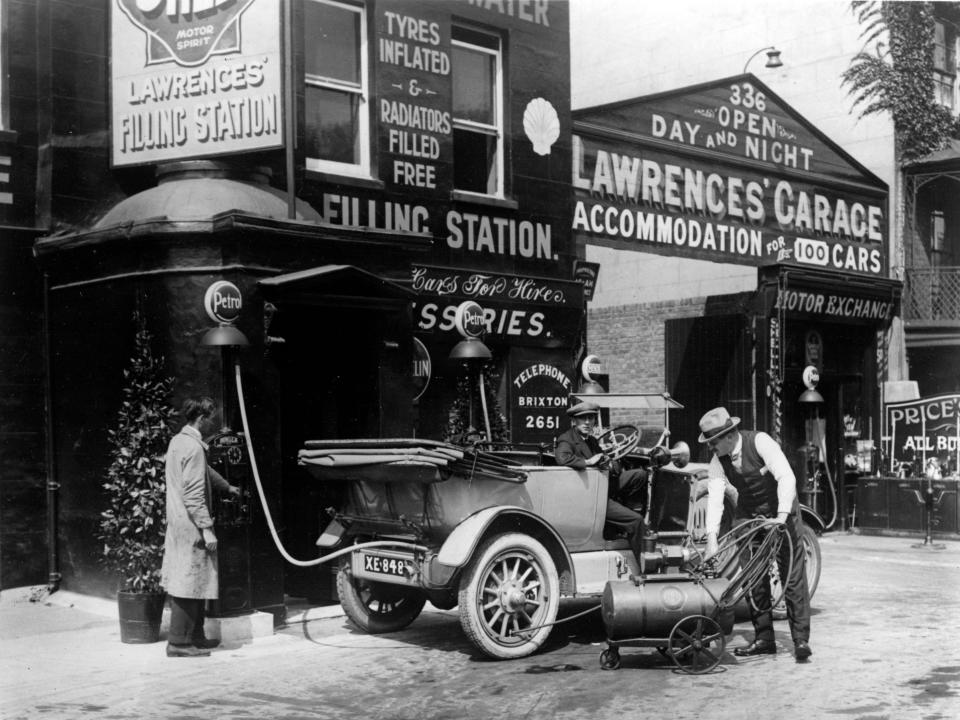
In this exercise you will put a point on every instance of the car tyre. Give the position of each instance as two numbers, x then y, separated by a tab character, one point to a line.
509	596
377	607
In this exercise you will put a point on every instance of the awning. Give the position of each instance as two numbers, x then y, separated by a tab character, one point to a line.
341	285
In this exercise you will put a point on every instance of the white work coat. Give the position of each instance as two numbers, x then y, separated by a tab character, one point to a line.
189	570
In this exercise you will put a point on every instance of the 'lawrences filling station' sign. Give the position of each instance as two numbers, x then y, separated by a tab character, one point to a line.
194	79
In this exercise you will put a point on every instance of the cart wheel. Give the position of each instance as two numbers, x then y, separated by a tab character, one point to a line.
610	659
690	644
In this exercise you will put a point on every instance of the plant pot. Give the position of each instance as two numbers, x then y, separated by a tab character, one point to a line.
140	615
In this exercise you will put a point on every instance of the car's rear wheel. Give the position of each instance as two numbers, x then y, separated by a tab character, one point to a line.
378	607
508	593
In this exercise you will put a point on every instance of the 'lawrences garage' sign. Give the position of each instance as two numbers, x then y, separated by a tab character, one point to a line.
725	172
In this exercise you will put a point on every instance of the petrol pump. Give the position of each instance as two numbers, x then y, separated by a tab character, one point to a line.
813	460
228	455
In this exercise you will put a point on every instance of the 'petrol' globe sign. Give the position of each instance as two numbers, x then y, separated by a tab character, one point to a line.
223	302
470	320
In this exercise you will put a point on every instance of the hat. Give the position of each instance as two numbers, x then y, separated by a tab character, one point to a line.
715	423
583	408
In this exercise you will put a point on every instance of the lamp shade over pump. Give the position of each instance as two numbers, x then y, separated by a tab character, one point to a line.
811	395
224	335
468	349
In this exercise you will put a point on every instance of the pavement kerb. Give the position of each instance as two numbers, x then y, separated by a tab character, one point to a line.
297	613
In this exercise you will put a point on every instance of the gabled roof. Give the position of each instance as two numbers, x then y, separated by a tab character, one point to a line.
696	120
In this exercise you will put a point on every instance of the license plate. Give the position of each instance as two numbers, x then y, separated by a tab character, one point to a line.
384	565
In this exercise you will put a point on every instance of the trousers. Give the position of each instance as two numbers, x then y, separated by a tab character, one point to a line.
629	522
796	592
186	620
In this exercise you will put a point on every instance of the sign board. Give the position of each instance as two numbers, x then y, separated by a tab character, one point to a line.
186	83
917	430
521	310
223	302
469	319
587	273
726	172
422	368
540	388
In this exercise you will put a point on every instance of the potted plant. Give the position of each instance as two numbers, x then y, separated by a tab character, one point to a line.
132	526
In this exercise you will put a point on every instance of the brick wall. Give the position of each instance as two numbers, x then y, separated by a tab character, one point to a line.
629	339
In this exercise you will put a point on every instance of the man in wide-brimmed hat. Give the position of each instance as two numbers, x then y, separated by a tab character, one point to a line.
753	463
578	448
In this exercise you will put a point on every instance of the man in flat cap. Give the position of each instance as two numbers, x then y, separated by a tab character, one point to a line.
753	463
579	449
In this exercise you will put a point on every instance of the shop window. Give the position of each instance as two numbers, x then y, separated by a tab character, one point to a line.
945	65
337	88
477	113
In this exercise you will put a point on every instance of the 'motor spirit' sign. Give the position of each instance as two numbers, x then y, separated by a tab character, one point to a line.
922	429
193	78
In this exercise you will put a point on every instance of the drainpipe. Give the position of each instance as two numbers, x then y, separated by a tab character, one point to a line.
53	487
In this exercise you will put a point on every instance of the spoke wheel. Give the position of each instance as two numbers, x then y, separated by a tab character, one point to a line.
378	607
610	659
509	590
696	644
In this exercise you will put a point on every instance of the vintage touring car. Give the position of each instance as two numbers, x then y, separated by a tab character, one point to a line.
502	535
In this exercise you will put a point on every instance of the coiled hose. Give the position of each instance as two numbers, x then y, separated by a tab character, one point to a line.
744	556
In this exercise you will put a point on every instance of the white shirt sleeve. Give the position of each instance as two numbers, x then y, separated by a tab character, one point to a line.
716	485
777	465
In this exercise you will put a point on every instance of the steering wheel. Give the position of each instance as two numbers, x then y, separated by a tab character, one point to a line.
619	441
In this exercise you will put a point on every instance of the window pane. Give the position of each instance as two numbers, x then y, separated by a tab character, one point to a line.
474	162
332	125
473	78
332	42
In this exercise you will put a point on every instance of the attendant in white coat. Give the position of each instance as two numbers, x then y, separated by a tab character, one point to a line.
189	571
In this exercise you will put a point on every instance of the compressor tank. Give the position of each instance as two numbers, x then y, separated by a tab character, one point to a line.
650	607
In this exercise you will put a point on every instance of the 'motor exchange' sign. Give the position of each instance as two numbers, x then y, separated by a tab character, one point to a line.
194	78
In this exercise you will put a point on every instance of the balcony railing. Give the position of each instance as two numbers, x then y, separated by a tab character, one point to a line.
932	295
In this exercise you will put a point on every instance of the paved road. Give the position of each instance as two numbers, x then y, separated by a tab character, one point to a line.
884	629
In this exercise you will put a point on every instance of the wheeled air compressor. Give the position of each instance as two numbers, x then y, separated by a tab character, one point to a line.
680	614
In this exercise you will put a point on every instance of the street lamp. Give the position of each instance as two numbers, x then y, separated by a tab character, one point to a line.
773	58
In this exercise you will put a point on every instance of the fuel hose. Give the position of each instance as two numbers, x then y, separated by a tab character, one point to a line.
266	508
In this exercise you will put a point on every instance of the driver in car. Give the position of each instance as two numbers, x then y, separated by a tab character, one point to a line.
579	449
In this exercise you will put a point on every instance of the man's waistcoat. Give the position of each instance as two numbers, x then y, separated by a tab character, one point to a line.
758	490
